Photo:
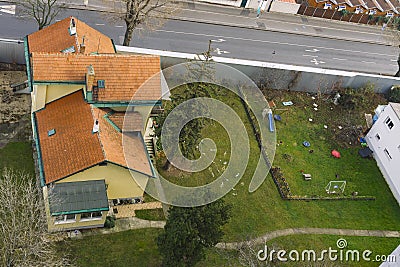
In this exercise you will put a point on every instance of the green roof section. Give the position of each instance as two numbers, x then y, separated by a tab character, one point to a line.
77	197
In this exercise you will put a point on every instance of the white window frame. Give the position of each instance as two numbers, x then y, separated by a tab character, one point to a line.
387	154
91	218
388	121
65	220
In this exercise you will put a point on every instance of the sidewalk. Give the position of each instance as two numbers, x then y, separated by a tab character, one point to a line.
268	21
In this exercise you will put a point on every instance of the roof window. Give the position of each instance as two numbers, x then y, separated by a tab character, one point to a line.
101	84
51	132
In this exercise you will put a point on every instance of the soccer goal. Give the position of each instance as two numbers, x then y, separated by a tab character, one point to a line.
335	187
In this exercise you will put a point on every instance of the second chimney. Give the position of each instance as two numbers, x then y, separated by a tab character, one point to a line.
89	78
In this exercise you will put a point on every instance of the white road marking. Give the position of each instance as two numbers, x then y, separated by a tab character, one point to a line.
309	56
316	62
394	60
119	26
368	62
219	51
218	40
312	51
339	58
100	24
9	9
273	42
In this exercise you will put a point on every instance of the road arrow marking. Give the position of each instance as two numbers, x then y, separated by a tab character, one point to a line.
312	50
316	62
9	9
218	40
219	51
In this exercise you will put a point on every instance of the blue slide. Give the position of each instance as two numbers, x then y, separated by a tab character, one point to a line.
271	121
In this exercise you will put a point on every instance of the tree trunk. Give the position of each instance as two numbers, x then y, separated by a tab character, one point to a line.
128	36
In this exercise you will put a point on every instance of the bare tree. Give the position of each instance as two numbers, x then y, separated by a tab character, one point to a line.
149	13
43	11
24	240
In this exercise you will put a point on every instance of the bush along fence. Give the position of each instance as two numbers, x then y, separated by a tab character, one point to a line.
276	173
345	15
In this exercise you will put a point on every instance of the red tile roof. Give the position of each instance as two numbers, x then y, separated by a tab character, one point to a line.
111	140
123	74
56	37
74	147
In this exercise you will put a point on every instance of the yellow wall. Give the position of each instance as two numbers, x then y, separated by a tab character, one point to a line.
52	227
119	182
38	97
43	94
57	91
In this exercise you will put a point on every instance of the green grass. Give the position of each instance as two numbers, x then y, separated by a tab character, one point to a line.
378	246
18	156
254	214
128	248
152	215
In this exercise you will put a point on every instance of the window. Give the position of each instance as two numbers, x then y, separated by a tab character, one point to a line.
67	218
387	154
377	137
88	216
389	123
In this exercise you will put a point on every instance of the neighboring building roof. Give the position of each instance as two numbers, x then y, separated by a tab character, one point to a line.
73	147
370	4
57	37
356	3
78	197
396	108
288	1
384	5
123	75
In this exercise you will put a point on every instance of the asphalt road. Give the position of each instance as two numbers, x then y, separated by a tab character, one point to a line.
233	42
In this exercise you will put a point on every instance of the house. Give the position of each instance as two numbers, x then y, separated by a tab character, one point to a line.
384	140
89	112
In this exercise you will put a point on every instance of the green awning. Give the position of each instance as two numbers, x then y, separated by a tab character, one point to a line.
78	197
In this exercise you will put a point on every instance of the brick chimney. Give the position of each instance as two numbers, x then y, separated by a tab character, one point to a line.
89	78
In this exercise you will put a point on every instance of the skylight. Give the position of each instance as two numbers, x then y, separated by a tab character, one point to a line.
101	84
51	132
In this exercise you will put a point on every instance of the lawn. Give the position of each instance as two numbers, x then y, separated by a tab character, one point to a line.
378	246
254	214
18	156
152	215
131	248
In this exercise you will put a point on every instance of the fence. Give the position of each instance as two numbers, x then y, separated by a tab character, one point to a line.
12	51
337	15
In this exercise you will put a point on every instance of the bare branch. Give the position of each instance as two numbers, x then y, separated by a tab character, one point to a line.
43	11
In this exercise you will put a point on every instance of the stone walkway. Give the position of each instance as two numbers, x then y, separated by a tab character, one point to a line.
311	231
127	211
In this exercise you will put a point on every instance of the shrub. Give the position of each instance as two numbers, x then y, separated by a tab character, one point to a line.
110	222
394	95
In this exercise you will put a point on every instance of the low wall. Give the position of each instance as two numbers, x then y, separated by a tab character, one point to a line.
283	76
12	51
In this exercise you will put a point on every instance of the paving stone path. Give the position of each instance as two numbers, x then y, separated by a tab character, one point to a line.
311	231
126	211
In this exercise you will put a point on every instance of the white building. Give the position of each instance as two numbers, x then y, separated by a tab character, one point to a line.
384	140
